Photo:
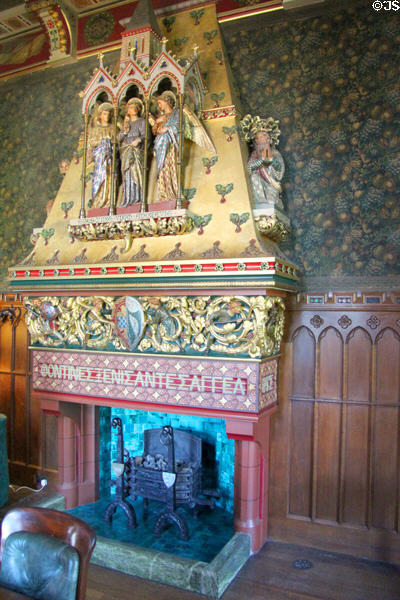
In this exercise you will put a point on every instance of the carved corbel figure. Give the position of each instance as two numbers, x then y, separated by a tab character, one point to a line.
266	169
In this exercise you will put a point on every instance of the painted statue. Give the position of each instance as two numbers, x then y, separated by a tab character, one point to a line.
166	130
166	147
131	147
265	163
100	155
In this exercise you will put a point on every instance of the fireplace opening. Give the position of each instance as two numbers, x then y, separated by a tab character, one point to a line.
210	529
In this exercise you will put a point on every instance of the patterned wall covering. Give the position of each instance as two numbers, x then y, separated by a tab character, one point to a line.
40	124
333	82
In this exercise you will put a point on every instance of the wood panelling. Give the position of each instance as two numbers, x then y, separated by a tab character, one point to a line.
326	460
300	476
304	366
336	482
355	483
359	358
23	425
335	439
329	373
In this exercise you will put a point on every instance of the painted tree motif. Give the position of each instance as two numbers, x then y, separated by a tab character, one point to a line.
217	98
201	221
180	42
196	15
66	207
47	234
168	23
229	132
239	220
209	36
218	56
189	193
224	190
209	163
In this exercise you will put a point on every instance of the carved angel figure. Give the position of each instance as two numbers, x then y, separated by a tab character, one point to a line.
265	163
166	144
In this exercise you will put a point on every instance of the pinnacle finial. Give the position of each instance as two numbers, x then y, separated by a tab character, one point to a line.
100	56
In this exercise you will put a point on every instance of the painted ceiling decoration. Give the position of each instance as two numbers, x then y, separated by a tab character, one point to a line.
35	33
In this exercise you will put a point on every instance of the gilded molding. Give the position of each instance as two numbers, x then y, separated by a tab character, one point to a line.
135	226
230	325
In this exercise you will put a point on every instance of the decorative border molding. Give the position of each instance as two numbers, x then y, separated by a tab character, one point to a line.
376	301
182	325
133	274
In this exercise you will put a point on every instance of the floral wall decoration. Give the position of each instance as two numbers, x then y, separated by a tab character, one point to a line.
333	82
40	125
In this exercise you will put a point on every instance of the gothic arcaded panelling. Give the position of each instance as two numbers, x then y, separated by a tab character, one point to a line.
338	425
23	415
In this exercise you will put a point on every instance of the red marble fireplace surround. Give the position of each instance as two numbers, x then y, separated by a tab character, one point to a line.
78	451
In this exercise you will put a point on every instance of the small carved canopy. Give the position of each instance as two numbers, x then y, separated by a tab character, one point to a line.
253	125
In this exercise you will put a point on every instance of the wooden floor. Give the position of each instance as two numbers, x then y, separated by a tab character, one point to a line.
270	575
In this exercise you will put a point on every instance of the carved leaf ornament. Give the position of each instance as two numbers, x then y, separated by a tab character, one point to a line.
233	325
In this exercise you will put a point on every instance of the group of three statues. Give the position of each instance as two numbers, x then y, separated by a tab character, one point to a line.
265	163
131	156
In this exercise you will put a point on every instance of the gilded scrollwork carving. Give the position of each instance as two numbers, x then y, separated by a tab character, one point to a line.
10	314
230	325
225	325
79	321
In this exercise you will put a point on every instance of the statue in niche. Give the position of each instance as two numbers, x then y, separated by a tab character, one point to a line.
167	150
265	163
131	147
100	154
166	147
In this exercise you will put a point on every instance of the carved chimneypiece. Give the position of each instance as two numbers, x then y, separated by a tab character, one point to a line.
188	322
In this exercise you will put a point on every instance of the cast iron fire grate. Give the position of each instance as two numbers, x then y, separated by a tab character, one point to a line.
170	471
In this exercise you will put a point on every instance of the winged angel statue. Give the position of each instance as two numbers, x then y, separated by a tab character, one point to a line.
168	146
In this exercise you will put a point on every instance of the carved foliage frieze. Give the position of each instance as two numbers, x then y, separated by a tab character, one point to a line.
231	325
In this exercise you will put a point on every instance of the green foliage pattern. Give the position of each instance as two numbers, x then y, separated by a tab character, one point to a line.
333	83
40	124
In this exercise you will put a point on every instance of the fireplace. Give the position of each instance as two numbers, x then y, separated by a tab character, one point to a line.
201	365
245	418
